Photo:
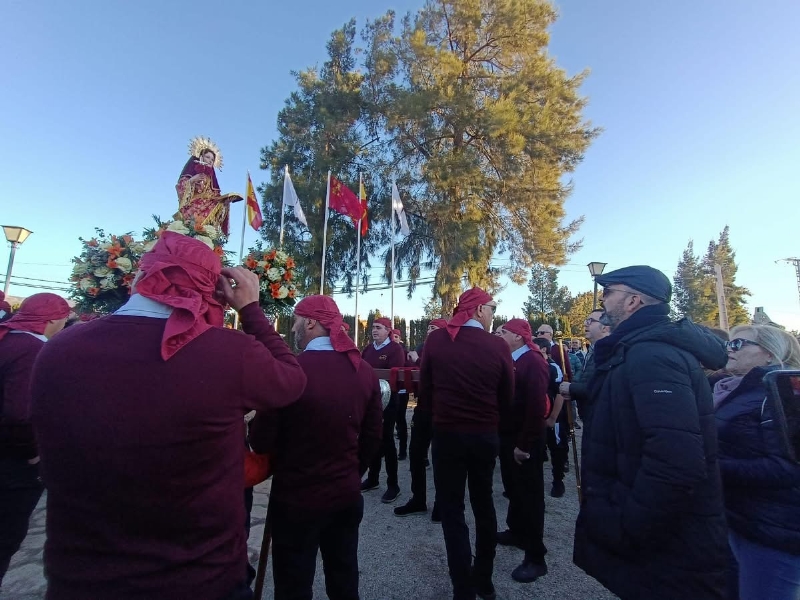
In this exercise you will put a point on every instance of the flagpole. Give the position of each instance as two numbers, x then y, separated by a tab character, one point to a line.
241	245
283	204
325	235
394	183
358	257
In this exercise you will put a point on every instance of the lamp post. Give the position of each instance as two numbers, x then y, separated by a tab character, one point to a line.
596	268
15	236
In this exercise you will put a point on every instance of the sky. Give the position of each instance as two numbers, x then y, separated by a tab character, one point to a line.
697	101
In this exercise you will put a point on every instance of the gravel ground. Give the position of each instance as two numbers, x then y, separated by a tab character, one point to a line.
400	559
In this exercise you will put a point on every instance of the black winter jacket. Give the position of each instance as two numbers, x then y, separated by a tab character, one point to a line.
652	520
762	486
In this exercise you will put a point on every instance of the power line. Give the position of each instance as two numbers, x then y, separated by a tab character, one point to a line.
62	282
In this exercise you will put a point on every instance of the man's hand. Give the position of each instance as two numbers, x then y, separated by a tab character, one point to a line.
551	420
244	290
520	456
413	356
563	389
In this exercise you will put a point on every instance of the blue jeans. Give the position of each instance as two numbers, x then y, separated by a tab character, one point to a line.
765	572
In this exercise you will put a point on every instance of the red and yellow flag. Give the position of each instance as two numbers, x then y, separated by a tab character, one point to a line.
362	195
253	209
344	201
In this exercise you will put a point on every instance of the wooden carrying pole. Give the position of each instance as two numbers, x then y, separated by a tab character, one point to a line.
570	418
263	557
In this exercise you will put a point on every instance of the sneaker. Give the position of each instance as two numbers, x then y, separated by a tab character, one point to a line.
412	507
392	492
436	516
557	491
507	538
529	572
368	485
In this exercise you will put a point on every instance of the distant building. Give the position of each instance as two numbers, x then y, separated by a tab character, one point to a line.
761	318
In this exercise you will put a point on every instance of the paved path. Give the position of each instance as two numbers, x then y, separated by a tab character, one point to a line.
400	559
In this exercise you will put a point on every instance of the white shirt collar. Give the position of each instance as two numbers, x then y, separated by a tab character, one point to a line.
386	342
38	336
139	306
320	343
519	352
473	323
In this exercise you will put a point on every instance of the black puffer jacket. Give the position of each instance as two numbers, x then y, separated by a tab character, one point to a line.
652	521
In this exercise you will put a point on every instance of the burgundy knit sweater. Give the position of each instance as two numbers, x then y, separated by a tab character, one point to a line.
466	382
17	354
391	355
143	458
526	418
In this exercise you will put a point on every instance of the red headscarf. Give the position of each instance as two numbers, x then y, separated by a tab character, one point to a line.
440	323
324	310
384	321
34	313
4	306
522	328
395	332
467	303
182	272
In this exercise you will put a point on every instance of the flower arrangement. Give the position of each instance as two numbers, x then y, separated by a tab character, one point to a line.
275	270
210	235
104	271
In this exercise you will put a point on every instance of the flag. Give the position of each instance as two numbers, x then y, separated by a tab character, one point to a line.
253	209
344	201
362	194
397	207
290	198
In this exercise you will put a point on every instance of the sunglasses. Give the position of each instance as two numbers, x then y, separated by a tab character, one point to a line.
542	332
608	291
736	344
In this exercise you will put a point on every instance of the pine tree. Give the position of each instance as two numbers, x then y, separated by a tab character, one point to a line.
722	253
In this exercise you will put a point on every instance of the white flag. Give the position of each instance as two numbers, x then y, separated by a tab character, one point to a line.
290	198
397	207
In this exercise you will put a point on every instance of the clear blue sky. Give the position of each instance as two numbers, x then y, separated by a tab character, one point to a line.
698	101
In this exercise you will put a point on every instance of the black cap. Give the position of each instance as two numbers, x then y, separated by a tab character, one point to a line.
641	278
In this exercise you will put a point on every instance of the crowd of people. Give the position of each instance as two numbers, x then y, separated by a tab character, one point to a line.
133	423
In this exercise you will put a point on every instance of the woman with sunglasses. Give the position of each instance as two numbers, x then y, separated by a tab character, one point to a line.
761	484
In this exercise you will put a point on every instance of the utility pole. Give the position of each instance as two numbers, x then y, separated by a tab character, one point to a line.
796	263
722	306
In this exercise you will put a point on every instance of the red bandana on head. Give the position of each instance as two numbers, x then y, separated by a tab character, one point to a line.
522	328
384	321
438	323
34	313
395	332
324	310
182	272
468	302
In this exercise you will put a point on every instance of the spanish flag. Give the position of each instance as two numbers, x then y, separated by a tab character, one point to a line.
362	195
253	209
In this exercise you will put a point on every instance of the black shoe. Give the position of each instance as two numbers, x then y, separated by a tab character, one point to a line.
436	516
529	571
411	507
402	455
368	485
427	464
485	591
391	494
566	467
557	491
507	538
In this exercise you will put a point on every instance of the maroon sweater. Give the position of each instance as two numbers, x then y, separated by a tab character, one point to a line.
143	458
466	382
17	354
391	355
526	418
323	443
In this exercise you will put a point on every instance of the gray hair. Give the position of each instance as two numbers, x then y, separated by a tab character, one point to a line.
780	344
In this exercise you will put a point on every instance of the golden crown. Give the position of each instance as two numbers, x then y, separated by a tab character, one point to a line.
199	144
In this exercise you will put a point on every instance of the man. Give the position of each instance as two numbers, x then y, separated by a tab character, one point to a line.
139	419
522	436
652	521
402	403
557	421
576	347
321	445
22	337
578	391
418	448
5	308
467	380
383	353
546	331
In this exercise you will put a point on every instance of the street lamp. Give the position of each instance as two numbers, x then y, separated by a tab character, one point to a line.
596	268
15	235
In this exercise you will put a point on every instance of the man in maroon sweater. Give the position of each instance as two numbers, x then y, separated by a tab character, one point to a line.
139	416
22	337
321	445
383	353
522	439
467	379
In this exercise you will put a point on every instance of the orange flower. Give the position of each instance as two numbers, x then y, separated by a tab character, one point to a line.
127	280
218	251
198	228
93	291
93	243
111	264
274	287
271	255
250	262
291	293
127	239
115	250
287	276
290	263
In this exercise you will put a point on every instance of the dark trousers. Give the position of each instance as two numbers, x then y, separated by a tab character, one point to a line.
559	450
296	539
388	450
525	487
417	453
463	460
402	425
20	490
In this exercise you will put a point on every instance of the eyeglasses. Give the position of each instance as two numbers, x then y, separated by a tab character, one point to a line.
590	320
492	306
736	344
608	291
543	332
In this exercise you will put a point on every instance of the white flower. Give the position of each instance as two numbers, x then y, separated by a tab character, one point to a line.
79	269
264	286
105	246
263	263
283	292
86	283
102	271
108	283
206	240
124	264
178	227
149	245
273	274
281	256
211	231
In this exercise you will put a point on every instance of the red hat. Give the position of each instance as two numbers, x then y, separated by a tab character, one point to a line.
34	313
324	310
383	321
395	332
467	303
182	272
438	323
522	328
